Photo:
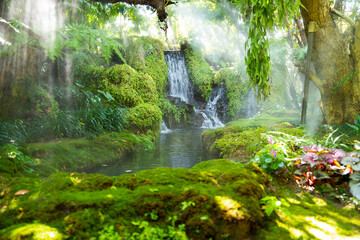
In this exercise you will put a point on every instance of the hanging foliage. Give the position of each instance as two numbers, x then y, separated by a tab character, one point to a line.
262	16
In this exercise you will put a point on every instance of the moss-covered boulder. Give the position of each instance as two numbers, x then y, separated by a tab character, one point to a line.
145	118
216	199
241	139
200	73
146	55
128	86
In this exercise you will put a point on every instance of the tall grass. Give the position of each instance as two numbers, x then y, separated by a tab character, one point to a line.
92	116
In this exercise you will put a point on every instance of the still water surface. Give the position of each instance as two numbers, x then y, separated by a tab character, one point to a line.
178	148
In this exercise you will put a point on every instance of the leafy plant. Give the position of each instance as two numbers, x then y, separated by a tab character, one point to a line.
355	127
15	131
18	161
271	204
272	156
108	233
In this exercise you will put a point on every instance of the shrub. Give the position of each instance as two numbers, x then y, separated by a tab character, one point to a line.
144	117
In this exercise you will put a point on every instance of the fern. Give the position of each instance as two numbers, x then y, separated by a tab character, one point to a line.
81	37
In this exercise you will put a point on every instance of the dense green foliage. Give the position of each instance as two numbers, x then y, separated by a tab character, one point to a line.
236	90
200	73
145	118
146	55
263	15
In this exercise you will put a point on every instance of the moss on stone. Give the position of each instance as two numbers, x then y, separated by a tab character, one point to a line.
200	73
240	139
144	118
80	205
130	87
146	55
309	217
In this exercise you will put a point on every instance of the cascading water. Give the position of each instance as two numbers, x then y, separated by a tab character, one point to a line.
209	113
180	86
164	128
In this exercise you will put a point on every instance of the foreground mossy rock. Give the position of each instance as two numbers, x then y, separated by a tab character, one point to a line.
146	55
215	199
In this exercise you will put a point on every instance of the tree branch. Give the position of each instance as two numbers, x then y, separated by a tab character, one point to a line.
158	5
347	18
318	83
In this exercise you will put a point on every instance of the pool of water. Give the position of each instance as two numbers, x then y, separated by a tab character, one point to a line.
178	148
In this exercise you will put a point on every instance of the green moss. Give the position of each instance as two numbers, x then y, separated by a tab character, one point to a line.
80	205
125	84
35	231
145	117
310	217
128	86
146	55
236	90
73	154
240	139
200	72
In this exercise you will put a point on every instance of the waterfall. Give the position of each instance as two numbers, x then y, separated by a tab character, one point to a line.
251	104
164	128
180	86
209	113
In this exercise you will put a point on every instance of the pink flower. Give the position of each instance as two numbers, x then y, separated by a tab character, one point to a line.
270	141
12	141
274	152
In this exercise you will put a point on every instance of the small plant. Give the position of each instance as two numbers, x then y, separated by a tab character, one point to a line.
271	204
18	161
272	156
109	233
355	127
185	205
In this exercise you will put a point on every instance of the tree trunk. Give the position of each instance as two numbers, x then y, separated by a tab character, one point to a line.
336	63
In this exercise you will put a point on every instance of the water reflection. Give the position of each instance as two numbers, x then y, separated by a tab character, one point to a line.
178	148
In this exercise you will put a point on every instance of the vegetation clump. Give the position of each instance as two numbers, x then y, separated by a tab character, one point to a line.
146	55
145	118
200	73
236	90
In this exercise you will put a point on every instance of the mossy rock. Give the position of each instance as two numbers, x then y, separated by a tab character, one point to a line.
200	73
146	55
225	199
241	139
125	84
145	118
130	87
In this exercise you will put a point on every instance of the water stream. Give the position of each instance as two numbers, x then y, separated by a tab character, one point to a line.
178	148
